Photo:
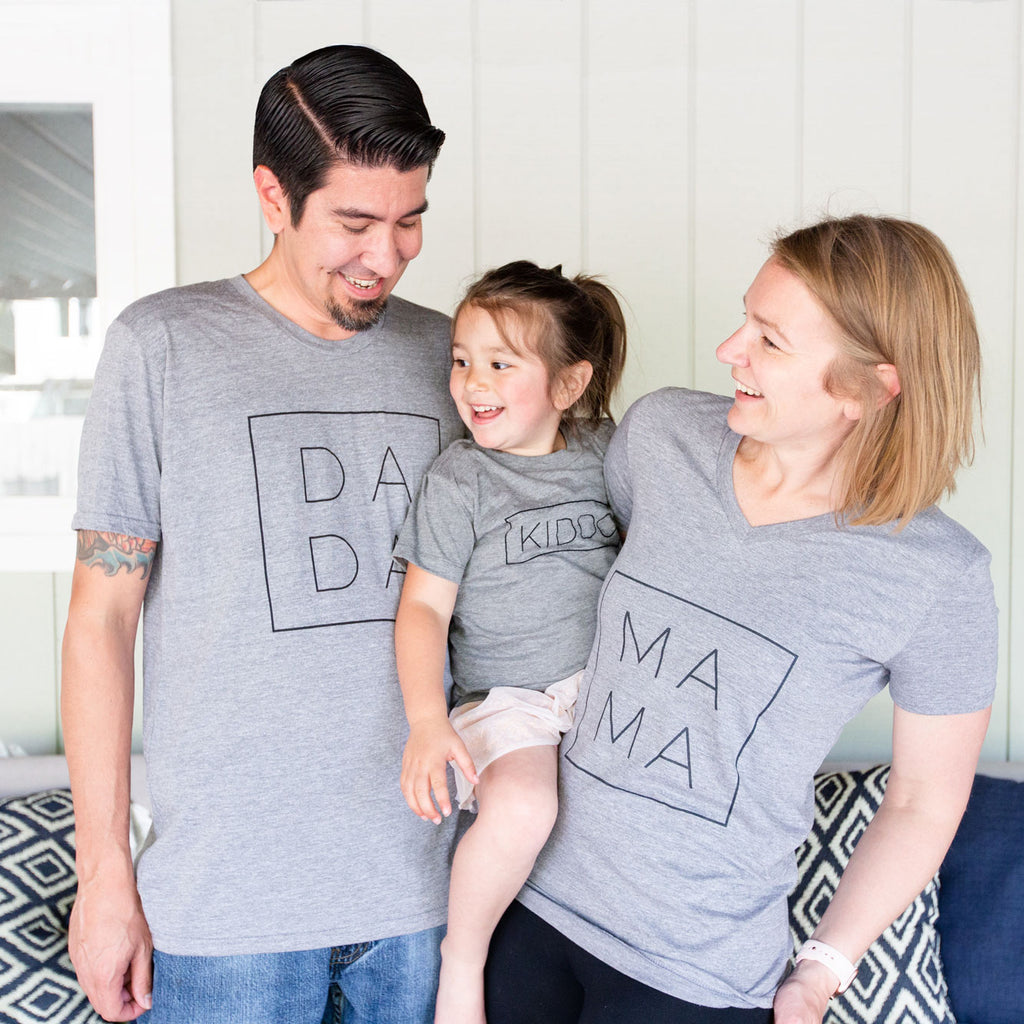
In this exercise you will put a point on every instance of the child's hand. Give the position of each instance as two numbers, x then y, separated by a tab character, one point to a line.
431	745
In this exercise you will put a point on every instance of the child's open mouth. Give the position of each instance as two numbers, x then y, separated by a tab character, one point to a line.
485	413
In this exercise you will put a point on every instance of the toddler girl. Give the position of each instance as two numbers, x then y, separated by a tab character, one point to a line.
507	547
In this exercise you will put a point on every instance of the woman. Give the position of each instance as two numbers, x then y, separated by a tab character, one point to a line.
784	561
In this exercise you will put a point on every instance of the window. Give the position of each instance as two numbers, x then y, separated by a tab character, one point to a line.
48	345
88	226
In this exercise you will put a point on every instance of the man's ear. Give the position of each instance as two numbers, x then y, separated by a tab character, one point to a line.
890	381
273	201
571	383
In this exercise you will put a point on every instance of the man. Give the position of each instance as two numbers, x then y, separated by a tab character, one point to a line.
250	451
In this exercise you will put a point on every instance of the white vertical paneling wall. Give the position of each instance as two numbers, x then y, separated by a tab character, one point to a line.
964	146
1013	370
214	52
529	132
746	138
445	71
636	179
659	144
854	106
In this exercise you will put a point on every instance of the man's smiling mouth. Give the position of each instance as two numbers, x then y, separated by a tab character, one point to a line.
366	284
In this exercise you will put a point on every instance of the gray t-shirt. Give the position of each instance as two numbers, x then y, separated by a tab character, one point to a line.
727	660
275	469
529	540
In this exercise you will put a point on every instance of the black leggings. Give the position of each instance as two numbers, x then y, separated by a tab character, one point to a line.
535	975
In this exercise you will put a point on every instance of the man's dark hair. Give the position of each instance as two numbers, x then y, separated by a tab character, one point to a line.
341	103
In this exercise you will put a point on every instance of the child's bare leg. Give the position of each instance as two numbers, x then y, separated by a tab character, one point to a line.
518	799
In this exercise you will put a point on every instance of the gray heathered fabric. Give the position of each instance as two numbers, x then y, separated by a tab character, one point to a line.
275	468
727	660
529	540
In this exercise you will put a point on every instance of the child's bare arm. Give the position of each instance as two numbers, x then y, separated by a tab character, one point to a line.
421	639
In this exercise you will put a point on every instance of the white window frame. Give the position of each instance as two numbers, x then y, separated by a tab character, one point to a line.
116	56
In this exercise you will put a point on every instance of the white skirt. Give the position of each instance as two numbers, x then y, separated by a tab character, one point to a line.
511	718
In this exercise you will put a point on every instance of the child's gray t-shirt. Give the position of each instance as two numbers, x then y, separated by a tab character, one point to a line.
529	540
727	660
275	469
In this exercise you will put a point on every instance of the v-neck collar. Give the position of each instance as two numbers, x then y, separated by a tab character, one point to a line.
739	523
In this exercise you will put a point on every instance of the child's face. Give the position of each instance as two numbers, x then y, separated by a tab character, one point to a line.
503	397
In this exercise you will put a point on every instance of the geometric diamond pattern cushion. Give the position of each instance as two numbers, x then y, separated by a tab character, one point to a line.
899	980
37	889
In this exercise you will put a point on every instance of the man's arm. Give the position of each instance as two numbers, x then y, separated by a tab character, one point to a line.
109	939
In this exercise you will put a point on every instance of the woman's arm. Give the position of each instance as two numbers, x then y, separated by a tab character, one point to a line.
933	763
421	640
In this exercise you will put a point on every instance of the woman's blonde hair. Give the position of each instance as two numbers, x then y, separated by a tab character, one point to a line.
894	291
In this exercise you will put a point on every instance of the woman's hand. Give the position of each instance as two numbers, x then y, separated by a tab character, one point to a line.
803	997
431	745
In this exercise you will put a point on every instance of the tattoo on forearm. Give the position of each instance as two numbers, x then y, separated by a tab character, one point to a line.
115	551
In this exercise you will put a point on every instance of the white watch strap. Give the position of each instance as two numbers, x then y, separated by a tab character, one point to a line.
843	969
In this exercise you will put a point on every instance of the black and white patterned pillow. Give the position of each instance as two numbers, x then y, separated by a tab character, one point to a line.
37	889
899	980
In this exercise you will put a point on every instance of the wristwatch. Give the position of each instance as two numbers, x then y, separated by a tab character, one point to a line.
838	964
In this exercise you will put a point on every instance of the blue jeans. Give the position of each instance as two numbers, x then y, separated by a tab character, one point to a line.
388	981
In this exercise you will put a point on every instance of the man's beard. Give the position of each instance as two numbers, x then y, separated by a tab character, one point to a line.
360	316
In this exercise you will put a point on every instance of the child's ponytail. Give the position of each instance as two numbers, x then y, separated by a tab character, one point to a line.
605	351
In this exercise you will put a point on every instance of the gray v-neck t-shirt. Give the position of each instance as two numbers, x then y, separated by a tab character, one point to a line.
727	660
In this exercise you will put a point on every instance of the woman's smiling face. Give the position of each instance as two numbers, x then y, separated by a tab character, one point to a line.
780	358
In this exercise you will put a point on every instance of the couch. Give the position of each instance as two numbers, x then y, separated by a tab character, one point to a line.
37	889
955	955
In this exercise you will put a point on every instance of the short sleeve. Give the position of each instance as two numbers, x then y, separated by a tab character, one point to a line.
949	664
617	476
120	455
438	532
